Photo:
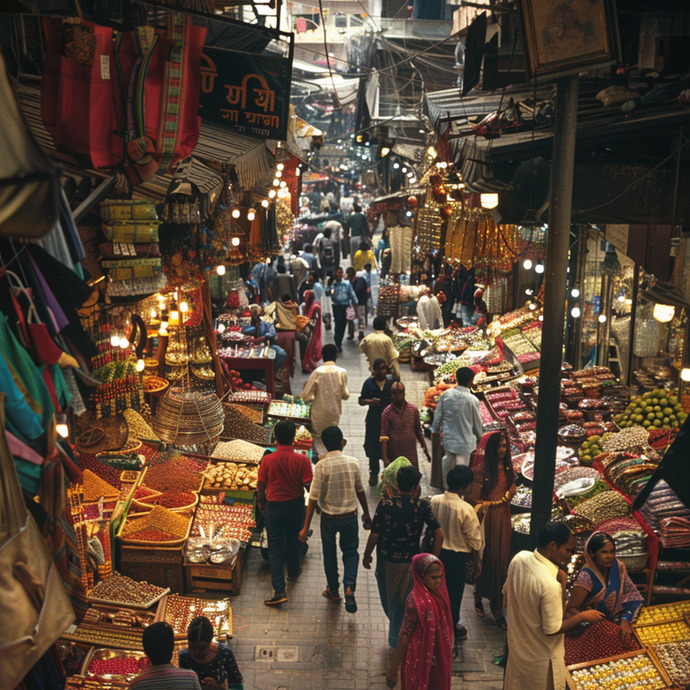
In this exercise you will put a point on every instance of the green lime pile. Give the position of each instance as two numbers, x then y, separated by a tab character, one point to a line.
590	449
655	408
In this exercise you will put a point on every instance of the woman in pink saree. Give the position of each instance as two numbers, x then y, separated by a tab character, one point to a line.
312	352
425	645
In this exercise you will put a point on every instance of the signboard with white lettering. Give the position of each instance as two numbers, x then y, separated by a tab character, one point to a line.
247	93
617	235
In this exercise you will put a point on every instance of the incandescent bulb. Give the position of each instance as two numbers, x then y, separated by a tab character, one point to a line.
114	340
221	328
153	313
251	214
539	268
575	292
527	265
184	307
124	343
280	166
602	318
62	429
235	212
575	312
140	365
265	203
220	270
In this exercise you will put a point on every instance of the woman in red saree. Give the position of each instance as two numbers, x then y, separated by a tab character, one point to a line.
312	353
495	484
425	645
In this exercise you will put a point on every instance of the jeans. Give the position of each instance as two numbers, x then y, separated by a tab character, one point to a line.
284	520
279	358
362	316
349	541
340	318
454	564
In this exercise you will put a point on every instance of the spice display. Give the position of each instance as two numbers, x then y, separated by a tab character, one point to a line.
590	449
238	451
105	637
120	589
675	658
246	396
160	519
670	631
240	423
175	472
95	488
171	499
663	612
121	618
572	433
224	521
92	463
606	505
600	486
138	428
625	439
628	673
232	476
521	523
181	611
124	665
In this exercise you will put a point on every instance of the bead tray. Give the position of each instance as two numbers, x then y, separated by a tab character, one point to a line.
206	607
664	680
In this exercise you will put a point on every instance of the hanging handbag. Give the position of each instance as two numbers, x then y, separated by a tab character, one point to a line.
78	41
35	608
350	313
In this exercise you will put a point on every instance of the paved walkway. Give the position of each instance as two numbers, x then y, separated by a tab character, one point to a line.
312	643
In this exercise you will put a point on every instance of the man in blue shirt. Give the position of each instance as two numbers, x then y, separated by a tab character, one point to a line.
261	330
458	413
342	295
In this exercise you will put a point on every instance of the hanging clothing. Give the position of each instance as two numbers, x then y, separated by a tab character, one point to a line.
427	625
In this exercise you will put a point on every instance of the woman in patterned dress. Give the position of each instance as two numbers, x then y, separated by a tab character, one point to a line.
495	484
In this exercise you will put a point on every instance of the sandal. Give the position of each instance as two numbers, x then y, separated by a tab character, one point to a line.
479	608
501	623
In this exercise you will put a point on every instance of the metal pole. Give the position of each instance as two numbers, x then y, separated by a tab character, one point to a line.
555	276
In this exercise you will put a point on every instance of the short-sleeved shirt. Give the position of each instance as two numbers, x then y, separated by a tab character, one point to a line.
459	522
399	429
399	522
337	481
223	668
285	472
165	677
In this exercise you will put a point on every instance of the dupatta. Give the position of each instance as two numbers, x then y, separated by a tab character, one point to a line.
431	644
312	354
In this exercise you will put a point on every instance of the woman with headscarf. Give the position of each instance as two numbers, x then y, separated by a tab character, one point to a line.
604	585
396	531
425	645
312	351
214	663
495	483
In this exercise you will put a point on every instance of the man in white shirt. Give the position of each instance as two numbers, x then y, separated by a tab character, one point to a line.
327	388
457	413
535	595
461	538
429	311
336	488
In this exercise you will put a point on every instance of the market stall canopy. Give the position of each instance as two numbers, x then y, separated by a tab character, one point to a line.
29	182
661	293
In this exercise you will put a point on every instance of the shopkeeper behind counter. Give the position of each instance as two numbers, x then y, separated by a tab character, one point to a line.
260	330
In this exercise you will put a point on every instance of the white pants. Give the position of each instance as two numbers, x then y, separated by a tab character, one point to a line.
451	460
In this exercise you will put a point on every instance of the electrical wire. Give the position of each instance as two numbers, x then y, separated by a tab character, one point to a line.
328	57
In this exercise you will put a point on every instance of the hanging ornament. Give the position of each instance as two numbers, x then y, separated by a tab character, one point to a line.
412	202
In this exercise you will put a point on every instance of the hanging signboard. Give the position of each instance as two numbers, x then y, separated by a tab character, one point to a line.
247	93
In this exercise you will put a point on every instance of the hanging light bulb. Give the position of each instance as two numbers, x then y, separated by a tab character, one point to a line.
276	182
265	203
532	306
527	265
272	193
281	167
220	270
62	429
488	200
621	298
235	241
235	212
396	166
115	340
663	313
541	317
385	151
221	328
153	313
251	214
140	365
575	312
124	343
685	374
175	317
539	268
283	183
404	169
575	292
602	318
279	174
184	307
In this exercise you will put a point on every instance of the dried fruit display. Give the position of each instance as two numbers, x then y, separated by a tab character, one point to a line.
231	476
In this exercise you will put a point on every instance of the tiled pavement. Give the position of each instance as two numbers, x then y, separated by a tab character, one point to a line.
310	643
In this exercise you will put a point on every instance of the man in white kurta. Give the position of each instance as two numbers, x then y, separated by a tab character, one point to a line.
327	388
535	597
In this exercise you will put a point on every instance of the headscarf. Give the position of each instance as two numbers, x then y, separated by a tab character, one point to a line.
432	639
589	557
388	486
309	299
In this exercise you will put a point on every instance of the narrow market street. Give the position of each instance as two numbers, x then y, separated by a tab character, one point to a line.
312	643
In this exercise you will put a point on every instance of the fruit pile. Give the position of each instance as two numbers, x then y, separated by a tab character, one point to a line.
237	383
589	450
655	408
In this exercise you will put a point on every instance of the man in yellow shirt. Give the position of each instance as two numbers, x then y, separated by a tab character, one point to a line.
364	255
378	344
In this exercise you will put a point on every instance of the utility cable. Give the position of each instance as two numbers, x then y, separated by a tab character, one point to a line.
328	57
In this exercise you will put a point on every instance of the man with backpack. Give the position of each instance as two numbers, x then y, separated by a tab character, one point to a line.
327	253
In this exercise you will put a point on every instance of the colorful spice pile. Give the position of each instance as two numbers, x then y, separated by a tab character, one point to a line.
123	666
120	589
92	463
138	428
232	476
239	451
171	499
603	506
176	472
95	487
159	519
573	473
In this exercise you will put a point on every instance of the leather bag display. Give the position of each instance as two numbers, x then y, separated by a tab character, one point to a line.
35	608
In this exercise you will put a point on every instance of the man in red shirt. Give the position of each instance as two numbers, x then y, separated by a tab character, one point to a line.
283	476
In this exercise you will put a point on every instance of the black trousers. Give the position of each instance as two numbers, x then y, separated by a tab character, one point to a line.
454	563
340	318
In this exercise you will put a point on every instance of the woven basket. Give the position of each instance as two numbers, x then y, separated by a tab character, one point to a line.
186	417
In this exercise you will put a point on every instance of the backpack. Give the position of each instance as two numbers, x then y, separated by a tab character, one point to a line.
327	253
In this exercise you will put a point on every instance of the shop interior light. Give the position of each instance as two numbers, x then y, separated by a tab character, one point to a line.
628	302
621	298
251	214
140	365
235	212
115	340
488	200
276	182
602	318
367	143
62	429
529	291
527	265
221	328
396	166
174	318
575	292
124	343
541	317
235	241
272	193
664	312
575	312
409	214
153	313
432	153
539	268
184	307
422	131
532	306
385	151
220	270
279	174
283	183
404	169
413	180
685	374
265	203
280	167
